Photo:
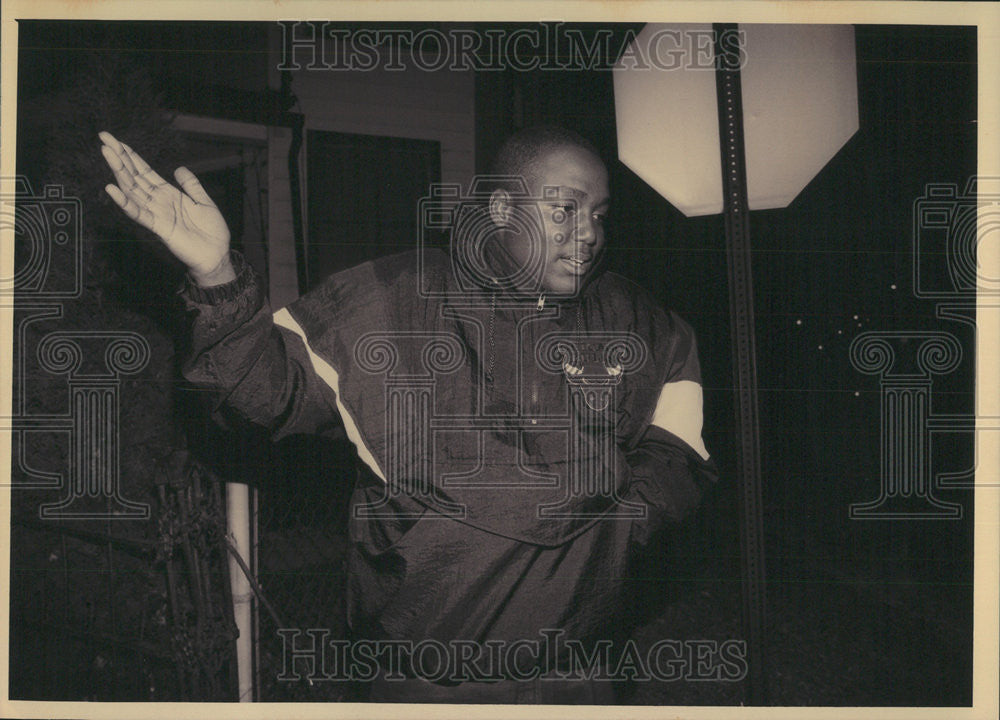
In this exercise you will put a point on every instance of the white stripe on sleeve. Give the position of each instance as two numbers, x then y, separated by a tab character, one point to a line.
679	411
326	373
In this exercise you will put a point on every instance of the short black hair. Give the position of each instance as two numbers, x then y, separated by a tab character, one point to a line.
520	153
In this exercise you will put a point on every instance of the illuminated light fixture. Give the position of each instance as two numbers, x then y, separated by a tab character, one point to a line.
800	106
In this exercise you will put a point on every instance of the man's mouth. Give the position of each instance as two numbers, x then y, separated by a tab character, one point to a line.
577	264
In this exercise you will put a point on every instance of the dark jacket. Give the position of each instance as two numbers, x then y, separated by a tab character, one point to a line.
512	463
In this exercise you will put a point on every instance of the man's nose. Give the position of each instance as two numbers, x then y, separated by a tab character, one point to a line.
585	229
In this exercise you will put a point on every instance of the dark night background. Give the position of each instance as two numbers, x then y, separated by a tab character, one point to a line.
859	612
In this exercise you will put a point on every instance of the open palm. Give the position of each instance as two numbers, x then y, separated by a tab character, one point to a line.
186	219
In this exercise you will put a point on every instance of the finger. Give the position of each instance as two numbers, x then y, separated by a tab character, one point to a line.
135	179
114	152
110	140
111	157
126	158
118	196
145	171
123	175
190	184
130	207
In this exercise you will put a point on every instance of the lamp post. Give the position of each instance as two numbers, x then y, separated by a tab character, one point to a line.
771	108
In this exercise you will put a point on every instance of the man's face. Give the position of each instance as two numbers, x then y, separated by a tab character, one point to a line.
572	232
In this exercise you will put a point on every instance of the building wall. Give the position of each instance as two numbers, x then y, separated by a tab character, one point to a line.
410	103
406	104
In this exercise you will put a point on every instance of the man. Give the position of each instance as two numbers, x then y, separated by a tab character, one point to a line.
525	420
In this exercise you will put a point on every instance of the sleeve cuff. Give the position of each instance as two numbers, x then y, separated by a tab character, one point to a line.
218	294
657	434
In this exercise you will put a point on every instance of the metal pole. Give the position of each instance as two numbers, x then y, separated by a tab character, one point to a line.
739	260
238	527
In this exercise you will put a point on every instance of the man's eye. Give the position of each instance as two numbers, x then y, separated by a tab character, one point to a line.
600	218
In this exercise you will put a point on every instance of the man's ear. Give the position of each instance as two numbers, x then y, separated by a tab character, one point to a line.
500	207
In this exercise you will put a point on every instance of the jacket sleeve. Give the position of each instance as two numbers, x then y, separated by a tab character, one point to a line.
668	478
669	468
257	372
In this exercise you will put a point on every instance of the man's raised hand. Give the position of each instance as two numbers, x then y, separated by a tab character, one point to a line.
186	219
